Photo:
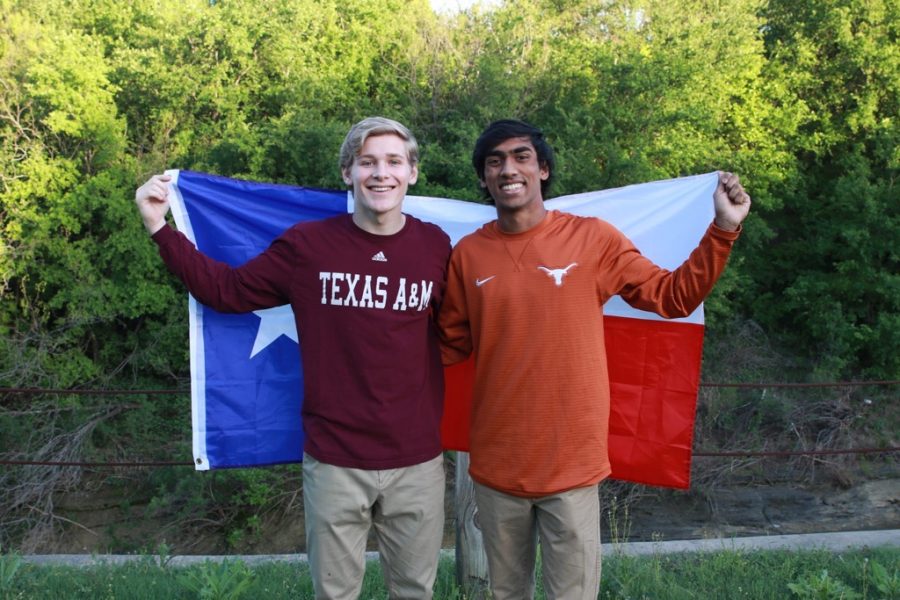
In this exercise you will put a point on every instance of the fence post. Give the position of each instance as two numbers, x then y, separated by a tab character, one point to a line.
471	562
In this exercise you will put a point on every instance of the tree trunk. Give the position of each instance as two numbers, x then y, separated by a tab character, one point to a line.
471	562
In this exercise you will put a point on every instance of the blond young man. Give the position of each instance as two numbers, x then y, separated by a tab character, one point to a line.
364	289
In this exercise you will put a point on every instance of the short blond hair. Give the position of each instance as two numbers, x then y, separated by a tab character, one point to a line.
372	126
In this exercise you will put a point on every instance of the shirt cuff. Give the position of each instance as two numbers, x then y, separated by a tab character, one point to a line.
724	234
164	235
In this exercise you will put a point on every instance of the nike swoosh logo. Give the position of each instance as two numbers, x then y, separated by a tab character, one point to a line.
481	282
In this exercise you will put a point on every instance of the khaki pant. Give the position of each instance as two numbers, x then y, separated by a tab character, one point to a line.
406	508
568	527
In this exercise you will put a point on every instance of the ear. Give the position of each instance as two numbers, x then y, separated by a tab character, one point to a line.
545	172
345	173
482	183
414	174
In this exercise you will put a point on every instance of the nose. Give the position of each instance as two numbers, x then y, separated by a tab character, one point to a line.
381	170
506	166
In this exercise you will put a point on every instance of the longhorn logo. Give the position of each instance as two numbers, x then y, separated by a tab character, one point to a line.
558	274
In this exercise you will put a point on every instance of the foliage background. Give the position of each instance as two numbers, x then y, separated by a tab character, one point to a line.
800	97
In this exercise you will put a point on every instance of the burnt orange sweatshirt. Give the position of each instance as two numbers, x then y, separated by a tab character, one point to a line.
530	307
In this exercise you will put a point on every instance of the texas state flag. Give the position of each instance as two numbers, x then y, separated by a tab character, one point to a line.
246	379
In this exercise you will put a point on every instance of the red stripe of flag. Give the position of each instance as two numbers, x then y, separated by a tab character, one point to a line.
654	371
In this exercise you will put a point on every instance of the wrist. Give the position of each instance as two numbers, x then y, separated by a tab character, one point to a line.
726	225
152	228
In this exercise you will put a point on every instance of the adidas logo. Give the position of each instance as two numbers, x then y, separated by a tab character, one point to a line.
380	257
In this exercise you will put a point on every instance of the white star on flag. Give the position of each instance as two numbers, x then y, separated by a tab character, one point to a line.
273	323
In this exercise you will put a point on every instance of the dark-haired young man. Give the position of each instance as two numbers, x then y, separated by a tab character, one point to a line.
525	294
364	288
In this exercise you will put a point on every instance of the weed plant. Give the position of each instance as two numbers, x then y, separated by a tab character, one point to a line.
872	574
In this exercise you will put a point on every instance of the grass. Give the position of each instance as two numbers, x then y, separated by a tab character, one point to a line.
864	574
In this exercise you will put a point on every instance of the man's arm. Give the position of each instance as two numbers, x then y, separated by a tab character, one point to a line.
453	319
259	283
677	293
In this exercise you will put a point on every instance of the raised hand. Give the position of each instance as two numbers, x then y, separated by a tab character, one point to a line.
152	200
731	201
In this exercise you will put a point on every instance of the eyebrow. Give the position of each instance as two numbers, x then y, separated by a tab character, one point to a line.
392	155
518	150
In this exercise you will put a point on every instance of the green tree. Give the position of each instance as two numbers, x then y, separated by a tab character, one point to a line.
829	282
69	264
631	92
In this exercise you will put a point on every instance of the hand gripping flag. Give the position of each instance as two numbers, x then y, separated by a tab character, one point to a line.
246	379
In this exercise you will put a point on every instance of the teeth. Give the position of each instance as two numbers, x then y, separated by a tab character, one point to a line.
380	189
511	187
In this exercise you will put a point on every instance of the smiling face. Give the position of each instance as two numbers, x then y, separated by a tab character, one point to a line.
380	174
513	176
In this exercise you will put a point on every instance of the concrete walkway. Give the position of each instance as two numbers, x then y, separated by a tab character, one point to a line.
838	541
